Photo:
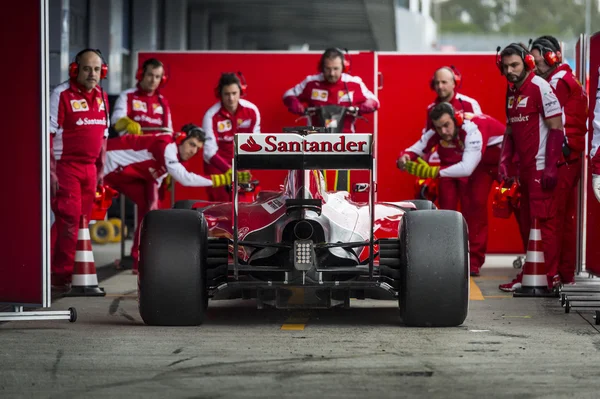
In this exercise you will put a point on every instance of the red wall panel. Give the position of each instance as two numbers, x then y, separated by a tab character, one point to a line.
194	75
405	96
593	207
21	200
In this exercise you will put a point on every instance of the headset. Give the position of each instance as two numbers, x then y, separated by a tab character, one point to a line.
139	75
457	76
525	55
547	49
186	130
74	66
332	53
241	81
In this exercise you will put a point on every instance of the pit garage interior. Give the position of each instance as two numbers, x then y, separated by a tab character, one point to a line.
506	347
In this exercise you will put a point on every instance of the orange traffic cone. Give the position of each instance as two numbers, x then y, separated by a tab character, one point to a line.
85	280
535	282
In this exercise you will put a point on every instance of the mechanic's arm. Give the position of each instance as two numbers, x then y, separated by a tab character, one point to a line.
293	97
210	146
471	155
179	173
553	115
418	149
257	123
100	162
506	155
371	103
594	155
56	121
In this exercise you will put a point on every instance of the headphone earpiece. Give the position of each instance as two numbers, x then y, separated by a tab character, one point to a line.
550	56
459	118
529	61
74	65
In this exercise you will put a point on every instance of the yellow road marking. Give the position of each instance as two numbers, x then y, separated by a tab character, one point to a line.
293	327
476	294
296	322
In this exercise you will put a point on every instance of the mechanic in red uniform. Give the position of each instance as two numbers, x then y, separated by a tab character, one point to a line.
594	155
143	106
135	163
469	149
79	127
333	85
231	115
446	81
535	131
572	96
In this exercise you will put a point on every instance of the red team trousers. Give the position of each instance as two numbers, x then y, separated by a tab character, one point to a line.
143	193
569	175
75	197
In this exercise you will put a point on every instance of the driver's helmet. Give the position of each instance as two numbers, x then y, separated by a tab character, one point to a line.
315	183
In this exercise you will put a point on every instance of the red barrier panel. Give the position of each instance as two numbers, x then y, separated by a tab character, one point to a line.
593	207
194	75
404	98
23	214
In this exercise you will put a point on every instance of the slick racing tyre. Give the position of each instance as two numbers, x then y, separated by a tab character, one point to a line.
434	282
423	205
102	232
172	268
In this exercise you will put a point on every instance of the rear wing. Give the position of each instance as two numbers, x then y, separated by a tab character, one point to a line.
311	151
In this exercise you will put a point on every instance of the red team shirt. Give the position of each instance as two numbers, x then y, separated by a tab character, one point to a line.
220	128
79	123
461	156
347	91
527	108
147	110
149	158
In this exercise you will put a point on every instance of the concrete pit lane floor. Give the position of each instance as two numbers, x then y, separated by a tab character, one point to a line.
507	347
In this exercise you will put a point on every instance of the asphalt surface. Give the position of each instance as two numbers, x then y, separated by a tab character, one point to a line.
507	347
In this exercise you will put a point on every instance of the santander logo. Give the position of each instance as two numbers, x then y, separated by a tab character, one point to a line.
251	146
312	144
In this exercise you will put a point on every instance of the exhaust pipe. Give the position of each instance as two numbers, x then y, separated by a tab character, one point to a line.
303	230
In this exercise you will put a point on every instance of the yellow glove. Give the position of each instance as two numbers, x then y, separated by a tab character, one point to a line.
131	126
422	169
223	179
244	176
168	181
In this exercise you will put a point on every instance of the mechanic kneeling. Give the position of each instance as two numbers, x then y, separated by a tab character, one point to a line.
469	151
134	164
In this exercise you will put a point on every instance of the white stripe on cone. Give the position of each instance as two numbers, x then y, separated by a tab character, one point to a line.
535	235
84	256
534	280
535	257
83	280
83	234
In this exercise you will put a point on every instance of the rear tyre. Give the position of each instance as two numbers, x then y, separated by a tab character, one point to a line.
434	287
172	268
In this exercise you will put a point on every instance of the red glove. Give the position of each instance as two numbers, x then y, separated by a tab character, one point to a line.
218	162
294	105
53	176
100	163
506	156
368	106
554	143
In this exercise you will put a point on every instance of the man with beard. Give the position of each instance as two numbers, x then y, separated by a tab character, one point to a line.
535	132
548	60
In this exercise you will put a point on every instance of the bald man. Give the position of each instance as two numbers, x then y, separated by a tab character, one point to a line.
78	131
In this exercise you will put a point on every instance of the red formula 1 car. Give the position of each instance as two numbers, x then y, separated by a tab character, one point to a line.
304	247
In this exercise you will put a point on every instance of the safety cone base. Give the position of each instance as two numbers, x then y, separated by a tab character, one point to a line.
85	291
531	292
